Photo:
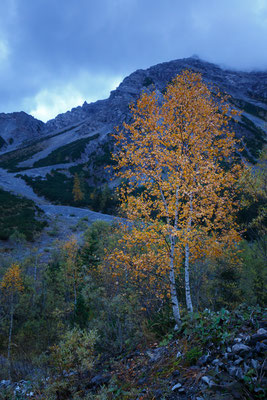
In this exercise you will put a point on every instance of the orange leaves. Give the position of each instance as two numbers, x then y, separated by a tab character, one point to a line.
71	270
71	248
77	191
179	193
12	280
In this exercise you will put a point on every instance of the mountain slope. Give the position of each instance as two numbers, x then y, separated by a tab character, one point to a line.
18	128
80	140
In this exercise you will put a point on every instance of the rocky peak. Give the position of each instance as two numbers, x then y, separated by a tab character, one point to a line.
17	129
248	86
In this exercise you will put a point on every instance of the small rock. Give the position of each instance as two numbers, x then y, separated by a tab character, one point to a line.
203	360
177	386
254	363
240	348
259	336
5	382
208	381
238	361
239	374
99	380
237	340
156	354
260	347
232	371
262	331
258	390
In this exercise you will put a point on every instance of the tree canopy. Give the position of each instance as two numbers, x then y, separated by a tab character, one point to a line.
177	156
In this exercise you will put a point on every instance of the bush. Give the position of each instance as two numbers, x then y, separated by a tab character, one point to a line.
73	356
19	214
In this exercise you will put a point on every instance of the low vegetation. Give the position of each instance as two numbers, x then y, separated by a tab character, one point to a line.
18	214
58	188
65	154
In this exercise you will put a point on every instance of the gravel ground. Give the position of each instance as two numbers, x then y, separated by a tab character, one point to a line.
63	221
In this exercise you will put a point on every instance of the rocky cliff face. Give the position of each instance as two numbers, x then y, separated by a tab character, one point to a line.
17	129
248	87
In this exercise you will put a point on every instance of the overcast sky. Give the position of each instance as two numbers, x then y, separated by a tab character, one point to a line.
55	54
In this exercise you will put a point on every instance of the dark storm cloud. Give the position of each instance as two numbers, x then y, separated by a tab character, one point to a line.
52	48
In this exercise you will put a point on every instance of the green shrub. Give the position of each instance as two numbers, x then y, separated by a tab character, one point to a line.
18	214
192	355
73	356
58	187
65	154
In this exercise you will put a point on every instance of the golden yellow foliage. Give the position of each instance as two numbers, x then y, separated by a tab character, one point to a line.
71	268
173	157
77	191
12	280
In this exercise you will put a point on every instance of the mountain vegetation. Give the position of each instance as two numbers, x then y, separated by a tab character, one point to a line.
18	214
168	301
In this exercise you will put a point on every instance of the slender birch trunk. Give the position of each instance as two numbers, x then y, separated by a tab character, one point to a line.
174	298
75	292
35	277
187	281
10	336
187	256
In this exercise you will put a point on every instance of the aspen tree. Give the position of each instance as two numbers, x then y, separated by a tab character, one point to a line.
175	149
11	286
71	267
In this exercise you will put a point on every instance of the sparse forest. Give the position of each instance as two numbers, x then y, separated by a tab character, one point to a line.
169	302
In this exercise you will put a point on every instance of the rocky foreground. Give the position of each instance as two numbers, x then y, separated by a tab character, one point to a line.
194	363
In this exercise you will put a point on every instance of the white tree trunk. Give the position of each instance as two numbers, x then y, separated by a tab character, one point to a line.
75	292
187	281
186	269
174	298
10	337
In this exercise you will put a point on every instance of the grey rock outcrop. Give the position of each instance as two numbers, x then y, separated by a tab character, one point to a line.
18	129
248	87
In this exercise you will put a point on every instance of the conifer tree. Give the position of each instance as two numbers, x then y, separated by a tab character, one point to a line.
77	191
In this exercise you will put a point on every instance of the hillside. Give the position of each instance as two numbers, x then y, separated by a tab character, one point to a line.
167	302
79	141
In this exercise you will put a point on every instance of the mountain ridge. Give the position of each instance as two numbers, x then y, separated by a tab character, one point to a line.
81	138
